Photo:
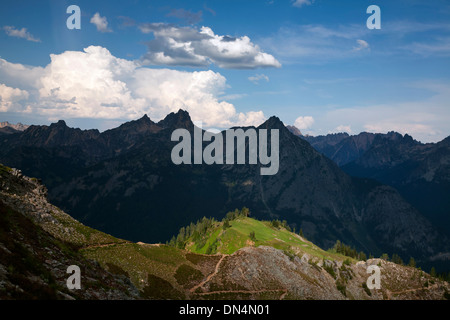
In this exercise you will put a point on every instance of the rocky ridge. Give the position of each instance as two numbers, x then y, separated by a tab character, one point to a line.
38	242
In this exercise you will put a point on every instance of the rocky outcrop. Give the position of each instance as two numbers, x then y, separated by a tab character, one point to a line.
268	273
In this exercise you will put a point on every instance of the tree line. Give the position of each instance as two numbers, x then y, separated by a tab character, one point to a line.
199	232
351	252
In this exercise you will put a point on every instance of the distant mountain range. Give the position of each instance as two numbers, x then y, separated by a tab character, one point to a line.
8	128
419	171
123	182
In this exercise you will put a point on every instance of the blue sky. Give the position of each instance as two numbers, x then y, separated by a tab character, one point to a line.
312	63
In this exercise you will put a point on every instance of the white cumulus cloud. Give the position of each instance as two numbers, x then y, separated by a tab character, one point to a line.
187	46
9	96
343	128
303	123
95	84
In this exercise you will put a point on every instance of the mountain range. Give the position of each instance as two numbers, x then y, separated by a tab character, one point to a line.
123	182
244	259
8	128
419	171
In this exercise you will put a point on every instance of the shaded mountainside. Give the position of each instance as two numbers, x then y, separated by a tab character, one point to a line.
7	130
38	241
123	182
420	172
312	193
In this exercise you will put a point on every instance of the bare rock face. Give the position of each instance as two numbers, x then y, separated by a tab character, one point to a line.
268	273
265	272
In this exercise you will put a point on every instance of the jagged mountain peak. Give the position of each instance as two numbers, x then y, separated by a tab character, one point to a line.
173	120
55	135
142	125
274	123
143	120
60	123
394	137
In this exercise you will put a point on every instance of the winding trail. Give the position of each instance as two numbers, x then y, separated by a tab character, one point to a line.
208	278
284	292
104	245
120	243
216	270
390	293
